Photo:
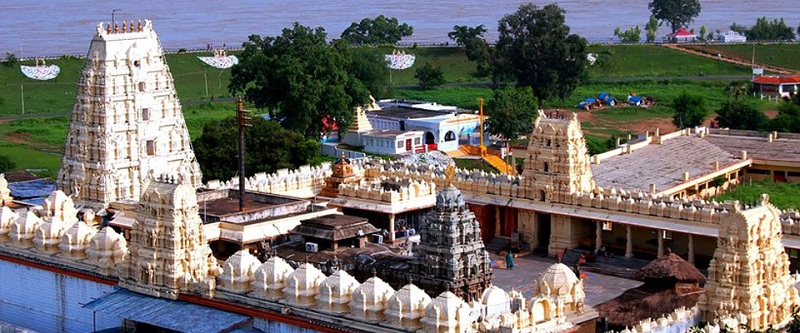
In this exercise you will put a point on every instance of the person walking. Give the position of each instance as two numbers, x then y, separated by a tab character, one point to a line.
510	260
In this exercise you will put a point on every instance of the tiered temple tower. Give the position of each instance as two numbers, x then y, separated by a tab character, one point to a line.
451	255
558	163
168	251
126	120
342	174
749	275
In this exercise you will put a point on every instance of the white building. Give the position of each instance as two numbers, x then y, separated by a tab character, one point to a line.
733	37
392	142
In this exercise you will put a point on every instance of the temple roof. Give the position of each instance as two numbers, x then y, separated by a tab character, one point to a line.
335	227
662	164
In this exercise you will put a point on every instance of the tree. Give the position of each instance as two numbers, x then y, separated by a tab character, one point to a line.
536	48
765	29
702	34
381	30
429	77
464	35
689	109
511	112
11	60
268	146
676	13
737	114
632	35
475	47
788	119
299	79
651	29
369	66
606	63
6	164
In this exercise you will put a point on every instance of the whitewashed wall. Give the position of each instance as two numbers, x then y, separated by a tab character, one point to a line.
44	301
269	326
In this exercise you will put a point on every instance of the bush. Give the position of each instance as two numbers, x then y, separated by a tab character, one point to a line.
430	77
689	110
6	164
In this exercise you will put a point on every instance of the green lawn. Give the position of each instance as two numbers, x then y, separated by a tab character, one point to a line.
782	195
781	55
651	60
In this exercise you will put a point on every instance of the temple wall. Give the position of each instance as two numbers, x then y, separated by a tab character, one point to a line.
679	321
45	301
269	326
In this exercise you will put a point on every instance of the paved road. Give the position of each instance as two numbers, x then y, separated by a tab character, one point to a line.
599	288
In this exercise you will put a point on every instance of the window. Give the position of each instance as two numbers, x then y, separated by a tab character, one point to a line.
417	141
666	234
145	114
549	142
141	86
449	136
151	147
608	226
546	167
794	253
758	171
137	64
399	144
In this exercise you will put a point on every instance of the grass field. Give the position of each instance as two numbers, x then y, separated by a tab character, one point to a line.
781	55
657	61
782	195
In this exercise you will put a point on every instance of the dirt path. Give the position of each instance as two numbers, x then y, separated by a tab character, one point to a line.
726	58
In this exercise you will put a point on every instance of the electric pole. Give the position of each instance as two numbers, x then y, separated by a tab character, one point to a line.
243	120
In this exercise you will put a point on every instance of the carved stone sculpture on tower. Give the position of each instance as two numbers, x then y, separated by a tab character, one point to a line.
168	250
749	273
5	193
125	122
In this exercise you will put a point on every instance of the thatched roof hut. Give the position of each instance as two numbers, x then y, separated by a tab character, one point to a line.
669	283
641	303
669	270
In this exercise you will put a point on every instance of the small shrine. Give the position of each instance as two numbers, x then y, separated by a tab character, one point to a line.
342	174
330	232
451	254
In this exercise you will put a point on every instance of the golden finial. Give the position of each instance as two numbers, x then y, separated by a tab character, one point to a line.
449	173
139	26
342	158
130	27
123	26
116	27
108	28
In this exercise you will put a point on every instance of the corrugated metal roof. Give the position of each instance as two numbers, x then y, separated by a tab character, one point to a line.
175	315
32	191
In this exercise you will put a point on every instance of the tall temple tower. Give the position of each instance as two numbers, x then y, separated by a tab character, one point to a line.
126	120
451	254
748	277
168	252
559	163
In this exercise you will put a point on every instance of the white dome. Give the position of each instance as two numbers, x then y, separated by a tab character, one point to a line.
26	225
444	307
408	299
339	284
373	291
240	264
108	240
7	218
558	278
305	277
273	271
494	295
77	237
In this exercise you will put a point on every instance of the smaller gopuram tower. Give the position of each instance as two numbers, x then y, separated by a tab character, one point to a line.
558	163
342	174
168	252
451	255
748	278
126	119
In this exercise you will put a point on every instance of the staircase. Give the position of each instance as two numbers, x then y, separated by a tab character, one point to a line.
501	165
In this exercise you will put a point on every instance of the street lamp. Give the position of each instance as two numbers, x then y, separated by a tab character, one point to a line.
114	11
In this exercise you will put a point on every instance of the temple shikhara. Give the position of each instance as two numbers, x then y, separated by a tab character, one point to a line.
131	238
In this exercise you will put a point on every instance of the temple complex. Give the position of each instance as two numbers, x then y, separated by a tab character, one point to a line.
450	255
126	120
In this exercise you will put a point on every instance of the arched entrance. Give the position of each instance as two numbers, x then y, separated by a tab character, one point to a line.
429	138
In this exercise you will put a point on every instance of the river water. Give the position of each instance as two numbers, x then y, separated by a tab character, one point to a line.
38	28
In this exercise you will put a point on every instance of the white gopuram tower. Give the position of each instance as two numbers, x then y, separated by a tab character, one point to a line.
126	120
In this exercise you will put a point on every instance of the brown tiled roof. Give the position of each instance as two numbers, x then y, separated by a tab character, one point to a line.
670	268
757	147
641	303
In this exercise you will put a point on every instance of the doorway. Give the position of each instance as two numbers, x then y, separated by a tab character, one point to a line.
429	138
543	232
408	144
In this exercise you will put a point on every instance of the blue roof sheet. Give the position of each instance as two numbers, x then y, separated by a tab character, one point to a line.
170	314
32	191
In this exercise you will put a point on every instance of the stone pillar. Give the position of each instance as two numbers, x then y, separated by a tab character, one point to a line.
497	221
598	241
391	228
629	243
660	235
691	249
